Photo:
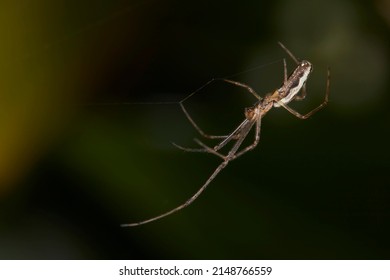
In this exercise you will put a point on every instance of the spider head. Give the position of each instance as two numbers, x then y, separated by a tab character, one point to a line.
306	66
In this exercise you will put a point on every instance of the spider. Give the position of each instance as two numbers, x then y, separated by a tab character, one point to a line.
281	97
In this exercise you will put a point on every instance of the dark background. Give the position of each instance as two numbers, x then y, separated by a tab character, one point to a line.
75	164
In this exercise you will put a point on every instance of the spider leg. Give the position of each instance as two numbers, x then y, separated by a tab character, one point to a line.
201	132
194	124
196	150
302	94
242	132
251	90
185	204
205	135
206	148
288	52
255	142
285	71
236	134
245	128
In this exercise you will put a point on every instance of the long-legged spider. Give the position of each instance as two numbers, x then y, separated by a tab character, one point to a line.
281	97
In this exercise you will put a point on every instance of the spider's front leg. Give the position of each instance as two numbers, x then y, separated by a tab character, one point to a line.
201	132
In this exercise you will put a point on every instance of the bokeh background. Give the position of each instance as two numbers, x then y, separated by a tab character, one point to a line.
75	162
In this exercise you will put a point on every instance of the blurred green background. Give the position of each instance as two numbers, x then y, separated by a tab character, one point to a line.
74	164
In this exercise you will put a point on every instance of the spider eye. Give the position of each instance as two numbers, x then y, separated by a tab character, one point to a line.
306	64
